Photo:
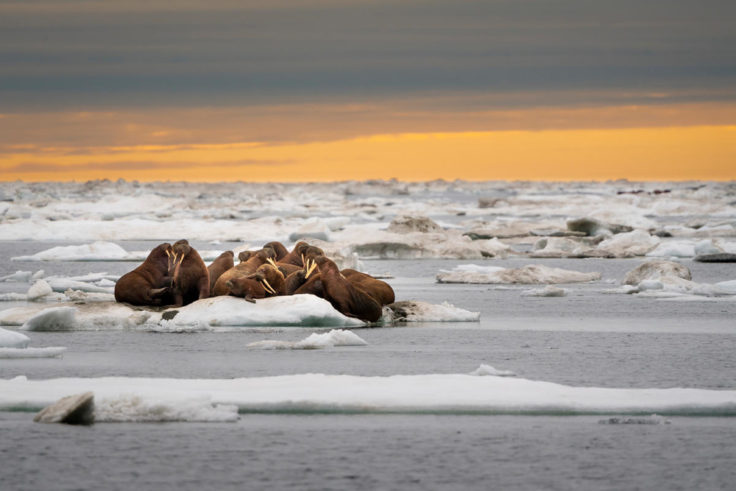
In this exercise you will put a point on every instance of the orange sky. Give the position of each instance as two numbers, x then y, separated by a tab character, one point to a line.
340	142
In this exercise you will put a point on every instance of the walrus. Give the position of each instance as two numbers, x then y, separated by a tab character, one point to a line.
380	290
295	281
223	262
295	256
267	281
191	279
150	282
249	266
349	299
278	248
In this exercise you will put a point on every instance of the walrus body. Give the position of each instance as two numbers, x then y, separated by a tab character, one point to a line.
149	283
223	262
347	298
267	281
245	268
191	279
380	290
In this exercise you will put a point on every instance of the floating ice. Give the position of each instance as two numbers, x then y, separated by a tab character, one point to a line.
38	290
630	244
415	311
294	310
50	352
97	251
17	277
336	337
654	419
667	279
52	319
487	370
529	274
547	291
12	339
314	393
136	409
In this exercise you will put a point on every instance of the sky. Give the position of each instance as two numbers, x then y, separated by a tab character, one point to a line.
296	90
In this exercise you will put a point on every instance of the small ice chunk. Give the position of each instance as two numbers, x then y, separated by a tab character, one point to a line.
17	277
38	290
547	291
77	409
654	419
487	370
14	353
415	311
336	337
38	275
52	319
12	339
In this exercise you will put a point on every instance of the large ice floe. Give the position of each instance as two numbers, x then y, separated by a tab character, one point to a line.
98	251
529	274
217	313
482	392
15	345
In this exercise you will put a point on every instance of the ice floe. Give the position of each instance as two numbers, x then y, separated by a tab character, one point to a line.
529	274
416	311
17	277
336	337
314	393
547	291
12	339
670	279
96	251
15	345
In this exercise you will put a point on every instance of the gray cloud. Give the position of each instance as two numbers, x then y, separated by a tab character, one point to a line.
112	53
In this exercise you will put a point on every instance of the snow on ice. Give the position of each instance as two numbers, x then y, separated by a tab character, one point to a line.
155	399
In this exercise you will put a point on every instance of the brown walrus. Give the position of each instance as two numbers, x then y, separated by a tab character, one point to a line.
249	266
380	290
223	262
347	298
149	283
278	248
267	281
191	279
295	256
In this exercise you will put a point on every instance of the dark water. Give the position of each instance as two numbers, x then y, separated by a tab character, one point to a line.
588	338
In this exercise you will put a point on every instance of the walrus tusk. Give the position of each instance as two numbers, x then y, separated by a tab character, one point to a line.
310	269
268	286
271	262
250	299
302	259
157	291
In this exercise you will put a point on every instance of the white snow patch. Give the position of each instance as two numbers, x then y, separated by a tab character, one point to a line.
336	337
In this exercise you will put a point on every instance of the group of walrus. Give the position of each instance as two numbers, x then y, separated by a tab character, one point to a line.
176	275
